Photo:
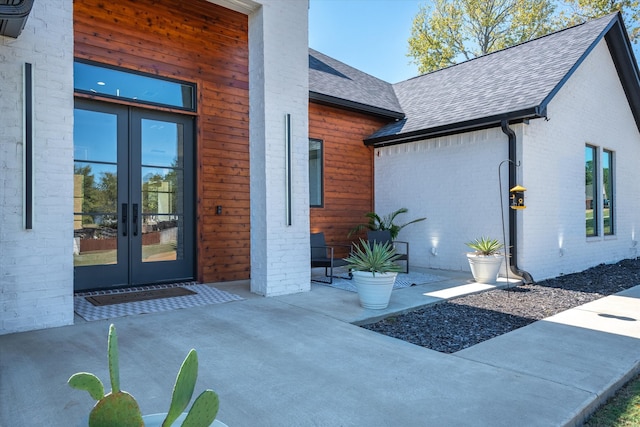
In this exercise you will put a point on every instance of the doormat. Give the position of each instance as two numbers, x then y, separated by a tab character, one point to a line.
120	298
403	280
201	295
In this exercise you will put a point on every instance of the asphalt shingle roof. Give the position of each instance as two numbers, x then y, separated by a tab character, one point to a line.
335	82
517	79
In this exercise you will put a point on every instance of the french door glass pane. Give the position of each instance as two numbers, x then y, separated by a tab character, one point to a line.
162	190
95	188
94	136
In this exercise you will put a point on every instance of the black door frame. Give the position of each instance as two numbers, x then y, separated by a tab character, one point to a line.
129	271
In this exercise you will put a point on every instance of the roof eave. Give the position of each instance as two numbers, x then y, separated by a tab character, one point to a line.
354	106
457	128
626	66
623	58
13	18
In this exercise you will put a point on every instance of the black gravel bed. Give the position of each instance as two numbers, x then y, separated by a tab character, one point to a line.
465	321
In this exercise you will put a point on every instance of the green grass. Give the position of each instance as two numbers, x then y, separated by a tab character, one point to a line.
622	410
109	256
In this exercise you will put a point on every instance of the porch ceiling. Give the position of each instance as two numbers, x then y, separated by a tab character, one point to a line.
13	16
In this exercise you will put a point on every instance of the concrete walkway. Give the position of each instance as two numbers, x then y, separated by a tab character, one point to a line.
297	360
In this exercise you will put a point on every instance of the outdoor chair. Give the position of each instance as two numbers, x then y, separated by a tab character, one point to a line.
322	255
384	237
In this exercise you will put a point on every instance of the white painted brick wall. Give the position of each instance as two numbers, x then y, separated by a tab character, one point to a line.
590	108
453	181
279	85
36	266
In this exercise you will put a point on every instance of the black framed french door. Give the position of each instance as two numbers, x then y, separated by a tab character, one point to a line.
133	196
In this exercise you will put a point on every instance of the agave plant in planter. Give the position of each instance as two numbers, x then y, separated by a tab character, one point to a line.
486	259
374	272
119	408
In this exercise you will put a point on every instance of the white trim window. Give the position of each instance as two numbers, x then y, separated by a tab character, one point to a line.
316	172
599	191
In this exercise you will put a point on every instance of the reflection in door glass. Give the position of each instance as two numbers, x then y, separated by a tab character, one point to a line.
161	143
95	193
162	191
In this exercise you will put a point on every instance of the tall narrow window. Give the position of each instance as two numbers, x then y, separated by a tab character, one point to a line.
590	186
315	173
607	191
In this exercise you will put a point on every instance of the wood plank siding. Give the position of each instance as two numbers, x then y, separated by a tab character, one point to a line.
194	41
348	169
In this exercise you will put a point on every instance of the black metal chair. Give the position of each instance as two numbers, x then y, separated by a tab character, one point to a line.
384	237
322	255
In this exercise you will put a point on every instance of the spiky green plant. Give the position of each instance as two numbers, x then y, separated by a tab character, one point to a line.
485	246
376	257
377	223
119	408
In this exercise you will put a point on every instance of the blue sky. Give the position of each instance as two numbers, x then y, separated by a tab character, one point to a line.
370	35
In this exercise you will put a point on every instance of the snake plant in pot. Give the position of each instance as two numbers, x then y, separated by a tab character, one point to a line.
374	272
486	259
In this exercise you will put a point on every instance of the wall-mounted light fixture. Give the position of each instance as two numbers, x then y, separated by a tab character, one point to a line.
27	157
287	168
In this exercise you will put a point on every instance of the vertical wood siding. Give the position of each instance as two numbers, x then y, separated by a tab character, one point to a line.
348	169
194	41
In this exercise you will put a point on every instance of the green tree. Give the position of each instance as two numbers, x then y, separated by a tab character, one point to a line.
457	30
578	11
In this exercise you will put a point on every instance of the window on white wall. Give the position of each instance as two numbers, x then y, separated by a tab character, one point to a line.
315	173
607	192
599	191
590	185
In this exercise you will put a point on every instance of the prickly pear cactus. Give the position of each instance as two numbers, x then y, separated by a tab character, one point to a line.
204	409
117	408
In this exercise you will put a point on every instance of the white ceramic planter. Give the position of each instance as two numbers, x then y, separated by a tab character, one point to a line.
485	268
155	420
374	291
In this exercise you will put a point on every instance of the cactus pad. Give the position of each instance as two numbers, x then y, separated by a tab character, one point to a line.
203	411
116	409
88	382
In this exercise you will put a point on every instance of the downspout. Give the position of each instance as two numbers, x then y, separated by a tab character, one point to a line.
513	218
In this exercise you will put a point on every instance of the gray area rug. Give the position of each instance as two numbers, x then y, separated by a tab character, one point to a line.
204	295
403	280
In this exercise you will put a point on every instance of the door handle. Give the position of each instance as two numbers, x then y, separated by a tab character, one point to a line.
125	223
135	219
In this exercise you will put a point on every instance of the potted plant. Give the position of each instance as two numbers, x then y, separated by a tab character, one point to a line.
377	223
119	408
374	272
486	259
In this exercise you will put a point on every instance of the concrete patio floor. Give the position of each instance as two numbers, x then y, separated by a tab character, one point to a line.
297	360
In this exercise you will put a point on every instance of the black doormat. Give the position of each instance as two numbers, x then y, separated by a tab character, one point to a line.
120	298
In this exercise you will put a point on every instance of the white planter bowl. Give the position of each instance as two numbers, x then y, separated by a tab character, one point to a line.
485	268
155	420
374	291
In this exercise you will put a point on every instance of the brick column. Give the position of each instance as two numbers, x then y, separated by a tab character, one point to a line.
279	85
